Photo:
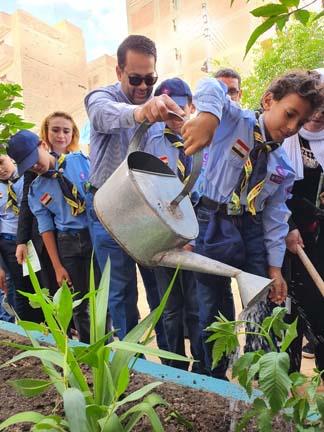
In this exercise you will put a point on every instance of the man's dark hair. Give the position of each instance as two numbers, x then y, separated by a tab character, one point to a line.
138	43
228	73
305	84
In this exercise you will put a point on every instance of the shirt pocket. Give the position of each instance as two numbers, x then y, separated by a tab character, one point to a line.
268	190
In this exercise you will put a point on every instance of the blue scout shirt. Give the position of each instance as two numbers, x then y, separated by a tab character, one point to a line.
47	202
224	165
8	219
111	116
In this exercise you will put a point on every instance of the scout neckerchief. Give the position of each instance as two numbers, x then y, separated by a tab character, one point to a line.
12	196
183	162
253	175
69	190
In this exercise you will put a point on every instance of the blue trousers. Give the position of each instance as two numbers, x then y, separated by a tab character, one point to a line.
123	293
181	307
234	240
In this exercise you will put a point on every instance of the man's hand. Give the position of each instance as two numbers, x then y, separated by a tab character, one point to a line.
156	109
198	132
278	291
188	247
62	275
294	239
3	283
21	253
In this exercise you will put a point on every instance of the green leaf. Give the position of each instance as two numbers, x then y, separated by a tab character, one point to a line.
318	16
269	10
139	394
273	378
75	410
22	417
63	301
281	21
123	381
290	3
31	326
46	354
302	16
258	32
30	387
145	408
111	423
102	301
320	405
290	335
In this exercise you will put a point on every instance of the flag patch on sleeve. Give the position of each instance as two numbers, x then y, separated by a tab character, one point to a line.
241	149
164	159
45	199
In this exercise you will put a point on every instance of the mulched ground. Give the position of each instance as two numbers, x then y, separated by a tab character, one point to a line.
205	411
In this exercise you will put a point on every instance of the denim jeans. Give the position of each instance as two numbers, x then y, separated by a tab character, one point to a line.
234	240
181	307
75	250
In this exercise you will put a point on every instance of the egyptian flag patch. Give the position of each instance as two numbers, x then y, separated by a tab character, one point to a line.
45	199
164	159
241	149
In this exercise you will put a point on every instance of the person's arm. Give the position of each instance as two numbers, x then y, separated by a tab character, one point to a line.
109	116
275	222
51	247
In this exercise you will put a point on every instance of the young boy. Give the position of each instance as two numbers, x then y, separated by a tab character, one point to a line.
10	197
165	142
245	158
56	198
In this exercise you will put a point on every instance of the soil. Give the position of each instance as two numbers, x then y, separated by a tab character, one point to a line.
206	412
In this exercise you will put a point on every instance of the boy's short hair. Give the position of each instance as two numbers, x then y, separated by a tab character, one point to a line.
137	43
177	89
306	84
228	73
23	149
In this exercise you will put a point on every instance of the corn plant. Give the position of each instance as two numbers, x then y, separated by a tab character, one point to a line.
88	408
292	395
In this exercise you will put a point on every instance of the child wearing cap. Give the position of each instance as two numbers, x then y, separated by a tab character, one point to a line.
11	186
164	141
56	198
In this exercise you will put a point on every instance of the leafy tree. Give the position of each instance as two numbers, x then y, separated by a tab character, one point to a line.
298	46
10	122
278	15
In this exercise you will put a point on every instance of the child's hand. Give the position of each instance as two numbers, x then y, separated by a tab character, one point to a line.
62	275
198	132
3	283
21	253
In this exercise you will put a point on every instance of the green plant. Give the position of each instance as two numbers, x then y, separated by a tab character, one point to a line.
305	50
96	408
278	14
10	122
293	395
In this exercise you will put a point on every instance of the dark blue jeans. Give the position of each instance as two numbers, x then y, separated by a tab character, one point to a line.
234	240
182	306
123	294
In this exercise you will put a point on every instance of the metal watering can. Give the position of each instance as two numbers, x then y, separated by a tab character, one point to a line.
146	209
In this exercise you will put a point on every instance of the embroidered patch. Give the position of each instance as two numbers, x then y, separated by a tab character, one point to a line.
46	199
164	159
280	171
278	179
241	149
82	175
1	194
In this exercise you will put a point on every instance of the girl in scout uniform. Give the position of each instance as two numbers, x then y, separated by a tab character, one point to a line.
242	214
56	198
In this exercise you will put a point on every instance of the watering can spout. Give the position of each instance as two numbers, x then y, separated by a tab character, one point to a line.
252	288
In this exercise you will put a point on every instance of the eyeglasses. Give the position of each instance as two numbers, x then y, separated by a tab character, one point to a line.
136	80
233	91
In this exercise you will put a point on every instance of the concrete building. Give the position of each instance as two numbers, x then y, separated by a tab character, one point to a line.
189	33
49	62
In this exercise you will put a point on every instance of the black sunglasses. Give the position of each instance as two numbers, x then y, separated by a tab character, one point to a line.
136	80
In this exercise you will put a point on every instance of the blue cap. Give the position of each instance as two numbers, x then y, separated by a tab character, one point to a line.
23	149
176	88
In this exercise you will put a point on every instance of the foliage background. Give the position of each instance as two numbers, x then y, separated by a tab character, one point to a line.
297	46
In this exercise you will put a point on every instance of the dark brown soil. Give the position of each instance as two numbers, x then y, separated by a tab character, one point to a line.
205	411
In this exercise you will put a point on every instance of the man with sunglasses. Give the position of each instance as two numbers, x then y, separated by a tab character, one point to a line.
115	112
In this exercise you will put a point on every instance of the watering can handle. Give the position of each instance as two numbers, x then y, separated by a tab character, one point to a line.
196	160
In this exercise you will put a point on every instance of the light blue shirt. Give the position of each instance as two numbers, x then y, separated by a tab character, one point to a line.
8	219
224	165
47	202
112	123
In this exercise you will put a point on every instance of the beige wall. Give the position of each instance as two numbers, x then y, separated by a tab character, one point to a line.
49	63
178	28
102	71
